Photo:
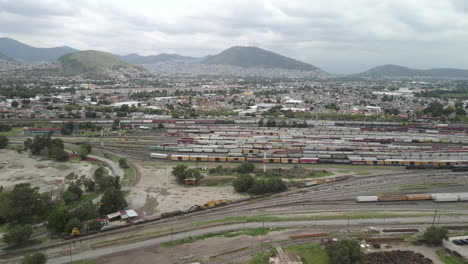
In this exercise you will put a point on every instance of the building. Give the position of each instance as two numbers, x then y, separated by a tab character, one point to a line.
285	258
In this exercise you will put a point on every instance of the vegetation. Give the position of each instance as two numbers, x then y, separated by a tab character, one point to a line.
3	142
72	224
123	163
36	258
246	183
24	205
435	235
84	151
245	167
112	201
57	220
182	172
17	234
345	251
46	146
447	258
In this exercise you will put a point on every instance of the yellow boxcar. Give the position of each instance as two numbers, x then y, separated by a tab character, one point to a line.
217	159
180	157
235	159
289	160
198	158
271	160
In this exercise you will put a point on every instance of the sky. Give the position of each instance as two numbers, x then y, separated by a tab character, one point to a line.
339	36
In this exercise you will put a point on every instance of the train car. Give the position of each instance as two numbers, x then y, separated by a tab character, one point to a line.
171	214
271	160
393	198
305	160
235	159
158	155
217	159
198	158
289	160
156	147
180	158
367	199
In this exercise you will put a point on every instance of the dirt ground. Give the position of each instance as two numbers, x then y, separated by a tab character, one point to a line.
428	252
158	192
18	168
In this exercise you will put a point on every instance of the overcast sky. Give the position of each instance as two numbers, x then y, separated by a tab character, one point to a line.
339	36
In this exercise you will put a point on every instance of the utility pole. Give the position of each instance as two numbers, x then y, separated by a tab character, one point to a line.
433	220
263	230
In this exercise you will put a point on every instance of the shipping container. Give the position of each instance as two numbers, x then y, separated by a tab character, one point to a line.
158	156
363	199
392	198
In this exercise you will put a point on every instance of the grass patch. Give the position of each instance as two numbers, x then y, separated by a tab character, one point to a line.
218	182
425	186
14	132
261	258
446	258
310	253
320	174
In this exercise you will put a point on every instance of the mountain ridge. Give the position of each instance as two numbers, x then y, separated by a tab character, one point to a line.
162	57
397	71
250	57
20	51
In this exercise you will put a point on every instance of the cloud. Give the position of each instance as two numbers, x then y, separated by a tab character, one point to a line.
338	35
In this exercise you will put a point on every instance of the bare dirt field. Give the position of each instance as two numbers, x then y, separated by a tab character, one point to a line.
158	192
18	168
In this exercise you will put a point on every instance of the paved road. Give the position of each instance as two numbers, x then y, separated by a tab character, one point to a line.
289	224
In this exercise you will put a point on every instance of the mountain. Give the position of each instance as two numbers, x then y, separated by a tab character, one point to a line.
20	51
138	59
92	61
251	57
4	57
395	71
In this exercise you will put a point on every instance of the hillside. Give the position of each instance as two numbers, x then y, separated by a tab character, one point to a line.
163	57
20	51
92	61
250	57
395	71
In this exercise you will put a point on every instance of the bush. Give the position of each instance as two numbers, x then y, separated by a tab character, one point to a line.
182	172
246	167
345	252
243	183
36	258
94	225
123	163
3	142
112	201
57	220
435	235
17	234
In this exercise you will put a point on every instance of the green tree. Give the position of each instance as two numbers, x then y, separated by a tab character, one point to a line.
73	223
86	212
14	104
243	183
346	251
123	163
3	142
57	219
161	126
89	185
17	234
246	167
72	194
180	172
435	235
36	258
85	150
112	201
24	203
94	225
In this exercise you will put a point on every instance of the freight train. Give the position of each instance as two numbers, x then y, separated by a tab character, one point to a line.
436	197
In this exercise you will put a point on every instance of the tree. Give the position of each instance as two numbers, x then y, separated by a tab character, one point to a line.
246	167
71	224
435	235
57	219
3	142
112	201
86	212
24	203
94	225
123	163
17	234
161	126
14	104
243	183
36	258
182	172
85	150
89	185
346	251
72	194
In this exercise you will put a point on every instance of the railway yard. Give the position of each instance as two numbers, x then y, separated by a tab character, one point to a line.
379	175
